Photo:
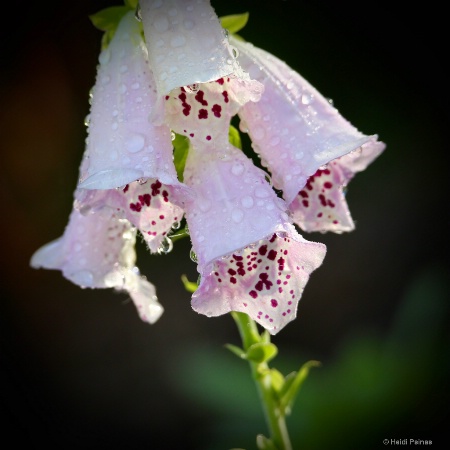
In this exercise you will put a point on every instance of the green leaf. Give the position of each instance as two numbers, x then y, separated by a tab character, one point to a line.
181	150
108	19
190	286
292	385
132	4
236	350
234	137
264	443
277	379
234	22
262	352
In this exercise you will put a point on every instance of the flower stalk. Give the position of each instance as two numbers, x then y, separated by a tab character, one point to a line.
262	376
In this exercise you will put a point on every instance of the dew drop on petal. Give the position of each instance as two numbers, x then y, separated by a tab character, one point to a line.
193	256
247	201
237	169
237	215
161	23
177	41
104	57
83	278
166	246
307	99
134	143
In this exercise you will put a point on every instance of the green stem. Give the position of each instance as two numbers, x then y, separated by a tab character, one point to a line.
275	419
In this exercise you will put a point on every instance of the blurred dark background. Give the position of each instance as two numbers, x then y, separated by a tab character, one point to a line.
78	367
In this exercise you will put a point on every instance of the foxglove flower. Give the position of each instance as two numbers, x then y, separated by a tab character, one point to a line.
297	132
250	258
186	76
97	251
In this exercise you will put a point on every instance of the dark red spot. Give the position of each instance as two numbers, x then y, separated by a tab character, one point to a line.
264	281
220	81
305	203
145	199
203	114
272	239
155	188
208	138
233	280
125	189
303	194
231	271
263	250
216	109
274	303
327	185
200	99
161	217
225	96
272	255
253	294
135	207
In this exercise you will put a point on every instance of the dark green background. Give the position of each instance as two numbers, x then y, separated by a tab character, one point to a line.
78	367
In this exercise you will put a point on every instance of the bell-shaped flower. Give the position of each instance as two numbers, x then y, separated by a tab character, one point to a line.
186	43
293	128
321	204
124	150
97	251
250	258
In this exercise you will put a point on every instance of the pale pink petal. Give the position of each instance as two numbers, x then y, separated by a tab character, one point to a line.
294	128
122	145
264	280
97	251
233	203
203	112
149	205
321	204
186	43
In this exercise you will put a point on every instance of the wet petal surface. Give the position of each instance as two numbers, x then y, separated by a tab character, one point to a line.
294	128
264	280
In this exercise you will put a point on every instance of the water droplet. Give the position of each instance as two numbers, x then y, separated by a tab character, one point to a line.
114	125
135	142
307	99
105	79
135	86
188	24
269	179
177	41
247	201
87	120
172	135
261	192
161	23
176	226
104	57
166	246
258	133
142	180
237	169
234	52
83	278
275	140
193	256
237	215
330	101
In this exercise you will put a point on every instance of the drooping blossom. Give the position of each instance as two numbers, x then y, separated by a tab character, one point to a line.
186	77
250	257
308	147
97	251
